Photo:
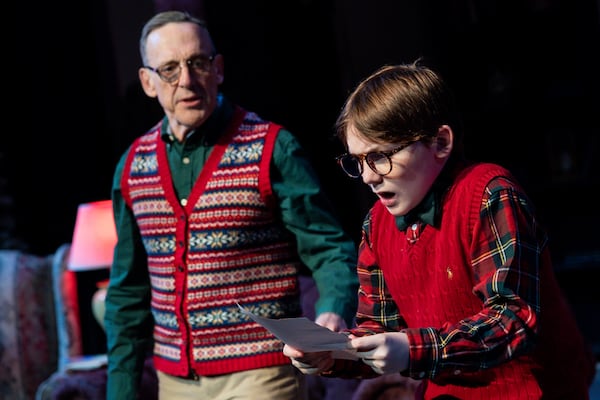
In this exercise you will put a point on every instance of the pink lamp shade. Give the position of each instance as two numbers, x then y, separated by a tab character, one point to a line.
94	237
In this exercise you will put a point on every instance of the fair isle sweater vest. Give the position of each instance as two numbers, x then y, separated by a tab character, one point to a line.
224	246
440	291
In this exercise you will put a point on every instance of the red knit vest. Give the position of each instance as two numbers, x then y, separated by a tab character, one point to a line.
225	245
431	280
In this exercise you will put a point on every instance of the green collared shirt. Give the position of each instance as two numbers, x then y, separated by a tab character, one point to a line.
425	212
428	211
323	246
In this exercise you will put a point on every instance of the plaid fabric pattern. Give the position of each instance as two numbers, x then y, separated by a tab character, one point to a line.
470	295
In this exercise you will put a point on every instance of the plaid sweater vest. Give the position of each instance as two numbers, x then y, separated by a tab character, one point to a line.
440	292
224	246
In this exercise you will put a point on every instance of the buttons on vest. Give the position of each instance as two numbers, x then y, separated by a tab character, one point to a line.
183	202
185	160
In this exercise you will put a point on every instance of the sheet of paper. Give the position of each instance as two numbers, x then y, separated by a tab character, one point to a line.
87	362
305	335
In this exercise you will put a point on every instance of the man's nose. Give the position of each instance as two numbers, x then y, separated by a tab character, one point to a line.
186	75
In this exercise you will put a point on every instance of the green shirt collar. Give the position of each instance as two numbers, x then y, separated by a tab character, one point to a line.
429	210
425	212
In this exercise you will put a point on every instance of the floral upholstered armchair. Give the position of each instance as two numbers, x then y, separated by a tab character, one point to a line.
37	297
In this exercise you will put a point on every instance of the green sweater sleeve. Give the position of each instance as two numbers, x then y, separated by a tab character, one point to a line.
128	320
323	245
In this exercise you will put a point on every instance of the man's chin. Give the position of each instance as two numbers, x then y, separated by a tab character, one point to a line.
191	117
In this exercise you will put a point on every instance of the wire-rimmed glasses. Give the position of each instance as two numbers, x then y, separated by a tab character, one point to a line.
171	71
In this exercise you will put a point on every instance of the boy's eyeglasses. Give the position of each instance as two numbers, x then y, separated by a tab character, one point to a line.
380	162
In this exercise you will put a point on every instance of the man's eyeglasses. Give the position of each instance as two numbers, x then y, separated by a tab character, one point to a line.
379	161
170	72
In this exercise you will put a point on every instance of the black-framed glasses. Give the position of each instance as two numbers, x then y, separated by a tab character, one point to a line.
380	162
170	72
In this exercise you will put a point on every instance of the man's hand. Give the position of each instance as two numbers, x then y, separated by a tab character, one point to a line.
331	321
385	353
309	363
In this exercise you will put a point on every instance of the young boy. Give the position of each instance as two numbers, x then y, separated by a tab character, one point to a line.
456	281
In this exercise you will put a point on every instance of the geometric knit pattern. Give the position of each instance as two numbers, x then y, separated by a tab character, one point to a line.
224	246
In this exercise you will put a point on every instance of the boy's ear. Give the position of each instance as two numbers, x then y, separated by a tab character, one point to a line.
444	141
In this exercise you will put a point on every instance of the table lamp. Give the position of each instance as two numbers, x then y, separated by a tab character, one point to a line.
92	247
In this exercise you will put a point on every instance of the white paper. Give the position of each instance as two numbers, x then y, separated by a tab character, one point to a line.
84	363
305	335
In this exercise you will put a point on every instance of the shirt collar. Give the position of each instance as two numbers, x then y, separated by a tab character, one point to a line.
429	210
426	212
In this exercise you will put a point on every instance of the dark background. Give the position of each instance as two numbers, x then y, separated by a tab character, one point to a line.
526	74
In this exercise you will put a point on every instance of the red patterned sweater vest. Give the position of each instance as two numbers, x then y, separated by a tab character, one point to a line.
440	291
224	246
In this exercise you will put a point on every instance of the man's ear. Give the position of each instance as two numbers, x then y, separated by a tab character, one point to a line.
220	67
444	141
147	82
